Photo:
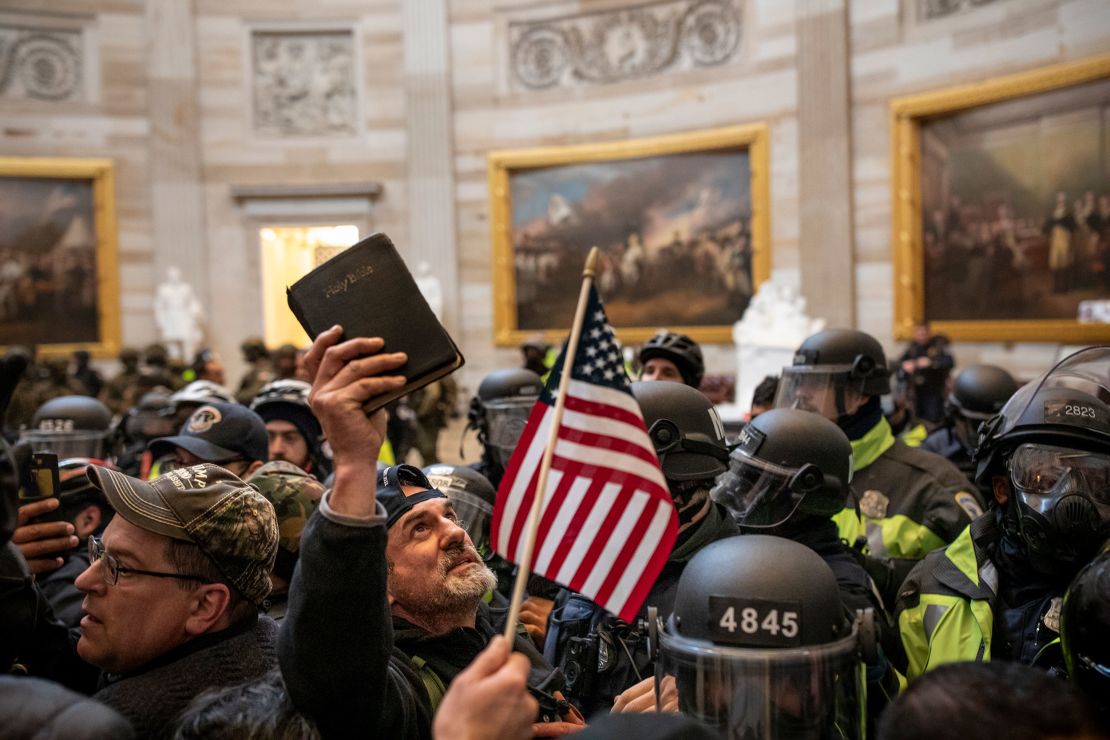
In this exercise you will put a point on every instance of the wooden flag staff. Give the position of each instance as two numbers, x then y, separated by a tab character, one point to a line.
524	565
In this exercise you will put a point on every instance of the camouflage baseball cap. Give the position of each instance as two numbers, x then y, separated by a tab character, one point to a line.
294	495
231	522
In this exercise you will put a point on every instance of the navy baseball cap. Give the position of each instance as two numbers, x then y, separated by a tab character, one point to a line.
217	433
391	492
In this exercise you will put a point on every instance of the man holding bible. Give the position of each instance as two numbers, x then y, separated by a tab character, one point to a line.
386	606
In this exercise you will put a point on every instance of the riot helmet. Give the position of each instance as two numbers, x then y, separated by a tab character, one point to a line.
287	400
501	408
200	392
760	644
979	392
152	417
685	430
830	369
473	497
1052	441
1084	626
788	463
70	426
680	349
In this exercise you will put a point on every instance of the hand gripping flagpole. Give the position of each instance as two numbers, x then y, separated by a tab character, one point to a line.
524	565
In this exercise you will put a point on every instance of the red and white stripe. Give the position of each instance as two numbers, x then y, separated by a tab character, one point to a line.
607	523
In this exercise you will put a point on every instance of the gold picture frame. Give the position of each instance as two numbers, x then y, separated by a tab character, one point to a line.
908	115
62	214
751	240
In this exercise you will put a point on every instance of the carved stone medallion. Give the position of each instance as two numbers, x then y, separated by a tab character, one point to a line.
304	83
40	63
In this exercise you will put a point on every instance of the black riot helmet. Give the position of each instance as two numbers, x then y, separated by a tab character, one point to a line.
684	428
980	391
829	366
504	401
152	417
788	463
70	426
1052	441
473	497
760	644
680	349
1084	627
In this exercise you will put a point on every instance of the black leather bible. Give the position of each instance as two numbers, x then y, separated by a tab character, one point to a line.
369	291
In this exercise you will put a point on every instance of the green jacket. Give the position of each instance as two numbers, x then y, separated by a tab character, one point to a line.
911	501
945	609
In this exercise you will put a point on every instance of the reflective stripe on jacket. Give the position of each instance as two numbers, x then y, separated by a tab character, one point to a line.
945	607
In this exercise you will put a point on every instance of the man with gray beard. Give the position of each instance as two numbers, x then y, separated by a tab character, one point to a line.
386	606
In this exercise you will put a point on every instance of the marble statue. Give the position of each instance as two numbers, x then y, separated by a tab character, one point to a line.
773	326
178	313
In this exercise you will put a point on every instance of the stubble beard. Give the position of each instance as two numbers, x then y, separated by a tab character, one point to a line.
449	596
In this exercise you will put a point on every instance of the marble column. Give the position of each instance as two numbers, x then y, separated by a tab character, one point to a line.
825	161
176	194
431	178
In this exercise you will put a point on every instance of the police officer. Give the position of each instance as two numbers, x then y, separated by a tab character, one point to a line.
995	592
498	412
672	356
294	495
1084	625
980	392
600	655
910	501
115	392
294	433
760	645
259	369
152	417
71	426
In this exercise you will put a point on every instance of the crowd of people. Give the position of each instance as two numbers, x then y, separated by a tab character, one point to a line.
219	563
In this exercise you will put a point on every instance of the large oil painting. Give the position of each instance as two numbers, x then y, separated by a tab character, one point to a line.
680	222
1006	188
58	255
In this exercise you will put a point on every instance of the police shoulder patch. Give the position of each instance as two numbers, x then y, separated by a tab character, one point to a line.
969	504
874	504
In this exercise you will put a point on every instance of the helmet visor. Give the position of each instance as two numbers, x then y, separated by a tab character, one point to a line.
756	493
822	389
474	512
1043	474
1086	371
505	419
813	692
67	444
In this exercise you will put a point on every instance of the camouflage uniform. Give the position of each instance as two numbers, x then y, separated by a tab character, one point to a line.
294	495
260	373
115	391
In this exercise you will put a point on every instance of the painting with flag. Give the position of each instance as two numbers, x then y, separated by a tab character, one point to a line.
605	522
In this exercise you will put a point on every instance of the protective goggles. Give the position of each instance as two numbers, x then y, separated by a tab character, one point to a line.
1043	473
817	388
761	494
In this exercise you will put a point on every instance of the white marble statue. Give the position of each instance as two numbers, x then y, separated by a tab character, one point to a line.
773	326
430	287
178	314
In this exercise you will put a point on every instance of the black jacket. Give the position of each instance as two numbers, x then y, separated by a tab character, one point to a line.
34	709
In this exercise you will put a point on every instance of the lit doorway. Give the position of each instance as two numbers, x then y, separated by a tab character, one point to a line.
288	254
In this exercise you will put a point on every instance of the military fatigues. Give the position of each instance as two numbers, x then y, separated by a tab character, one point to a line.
963	603
911	502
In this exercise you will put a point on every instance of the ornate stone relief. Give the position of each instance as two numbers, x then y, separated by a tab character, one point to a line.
41	63
932	9
304	83
611	46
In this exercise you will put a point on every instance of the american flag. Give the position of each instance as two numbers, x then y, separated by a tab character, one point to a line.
608	523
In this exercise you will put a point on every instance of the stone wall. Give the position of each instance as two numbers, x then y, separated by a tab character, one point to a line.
411	96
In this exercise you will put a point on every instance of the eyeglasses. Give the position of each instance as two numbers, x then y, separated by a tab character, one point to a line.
112	568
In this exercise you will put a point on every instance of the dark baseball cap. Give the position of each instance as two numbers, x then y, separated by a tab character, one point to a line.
391	493
219	432
231	522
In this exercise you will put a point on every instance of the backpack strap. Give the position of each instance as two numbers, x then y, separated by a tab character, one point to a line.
432	682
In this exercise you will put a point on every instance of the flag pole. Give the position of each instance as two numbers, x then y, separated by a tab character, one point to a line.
524	566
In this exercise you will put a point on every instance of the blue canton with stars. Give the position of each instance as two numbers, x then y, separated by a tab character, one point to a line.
598	359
